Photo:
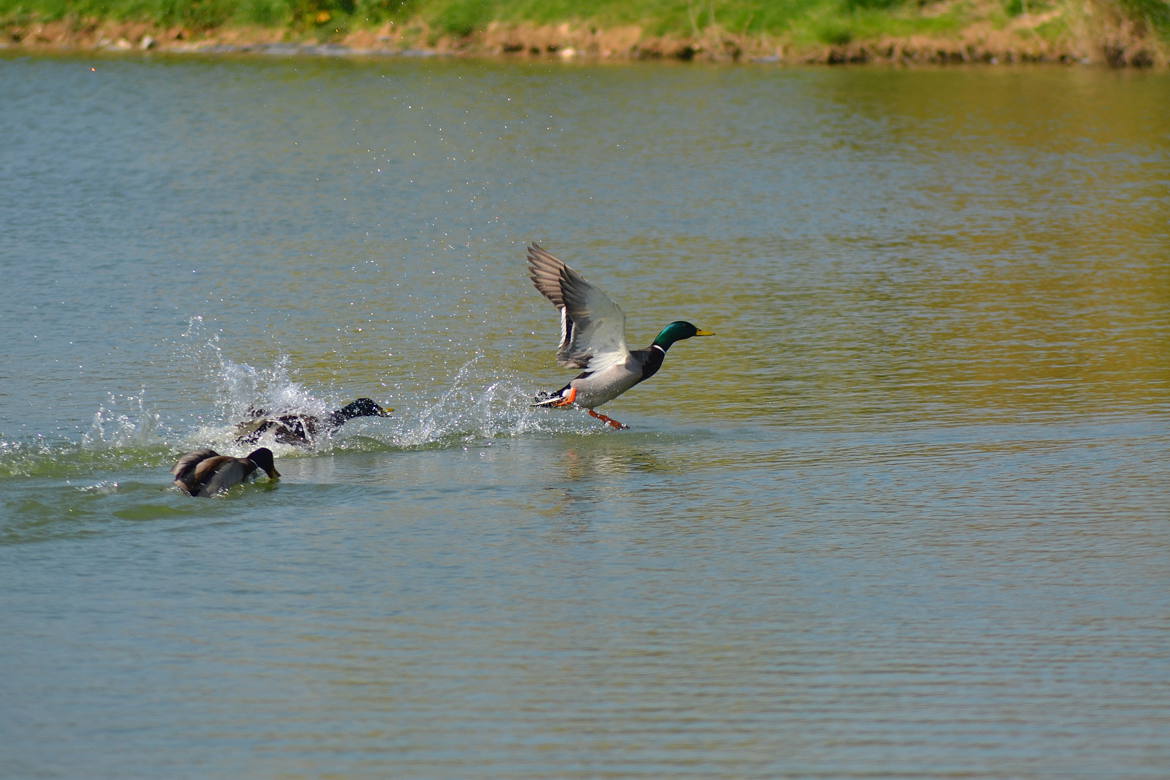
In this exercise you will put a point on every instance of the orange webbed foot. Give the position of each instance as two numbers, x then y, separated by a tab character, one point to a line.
617	425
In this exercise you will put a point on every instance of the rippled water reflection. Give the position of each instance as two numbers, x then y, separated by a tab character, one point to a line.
905	515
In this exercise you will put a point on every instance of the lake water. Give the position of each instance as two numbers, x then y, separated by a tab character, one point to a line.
906	515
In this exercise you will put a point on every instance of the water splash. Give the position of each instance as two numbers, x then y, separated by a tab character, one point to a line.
240	388
475	406
245	389
478	404
126	432
114	428
238	392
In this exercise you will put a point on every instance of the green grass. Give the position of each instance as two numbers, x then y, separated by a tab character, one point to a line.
833	22
461	17
1155	13
827	21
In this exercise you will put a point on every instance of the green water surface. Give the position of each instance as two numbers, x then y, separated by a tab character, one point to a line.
906	515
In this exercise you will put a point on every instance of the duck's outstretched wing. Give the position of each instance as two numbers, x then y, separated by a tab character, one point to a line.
593	328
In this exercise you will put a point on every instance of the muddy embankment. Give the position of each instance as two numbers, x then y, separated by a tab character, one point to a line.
1115	42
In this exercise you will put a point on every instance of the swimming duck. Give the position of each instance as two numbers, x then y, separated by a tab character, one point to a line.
593	338
301	429
206	472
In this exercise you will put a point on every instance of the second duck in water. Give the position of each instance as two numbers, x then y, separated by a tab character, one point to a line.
593	337
205	472
303	429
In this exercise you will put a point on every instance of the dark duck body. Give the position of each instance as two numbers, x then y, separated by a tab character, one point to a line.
303	429
205	472
593	338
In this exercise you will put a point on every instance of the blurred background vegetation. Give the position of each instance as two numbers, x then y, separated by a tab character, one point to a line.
794	22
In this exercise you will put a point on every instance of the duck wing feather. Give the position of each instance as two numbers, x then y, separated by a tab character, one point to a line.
186	470
225	473
593	327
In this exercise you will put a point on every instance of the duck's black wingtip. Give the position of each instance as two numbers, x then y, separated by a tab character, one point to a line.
544	399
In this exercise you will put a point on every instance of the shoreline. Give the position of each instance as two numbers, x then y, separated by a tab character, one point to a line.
977	44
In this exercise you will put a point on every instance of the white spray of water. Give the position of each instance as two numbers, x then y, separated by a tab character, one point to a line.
478	404
475	404
124	421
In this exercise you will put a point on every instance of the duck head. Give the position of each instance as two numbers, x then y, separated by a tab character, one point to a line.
677	331
362	407
263	459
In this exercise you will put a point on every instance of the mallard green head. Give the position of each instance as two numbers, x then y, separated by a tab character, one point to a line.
677	331
362	407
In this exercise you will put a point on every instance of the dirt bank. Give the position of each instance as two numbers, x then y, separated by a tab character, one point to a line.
1115	43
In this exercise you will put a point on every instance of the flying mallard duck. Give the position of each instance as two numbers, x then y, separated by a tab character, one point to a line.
206	472
593	337
302	429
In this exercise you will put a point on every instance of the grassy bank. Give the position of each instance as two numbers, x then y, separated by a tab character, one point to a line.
1118	32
